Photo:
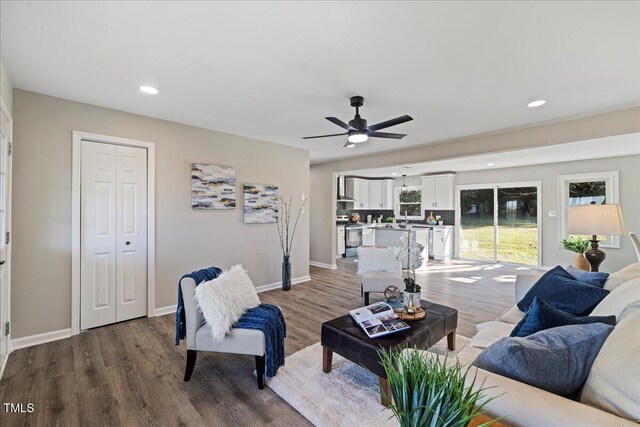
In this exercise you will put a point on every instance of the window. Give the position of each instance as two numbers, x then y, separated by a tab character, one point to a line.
583	189
408	203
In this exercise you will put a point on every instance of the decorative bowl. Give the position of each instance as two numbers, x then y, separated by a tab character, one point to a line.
432	222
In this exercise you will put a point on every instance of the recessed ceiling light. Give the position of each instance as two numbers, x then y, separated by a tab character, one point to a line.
537	103
491	164
149	89
394	173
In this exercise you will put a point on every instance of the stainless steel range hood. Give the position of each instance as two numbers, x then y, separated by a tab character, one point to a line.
342	197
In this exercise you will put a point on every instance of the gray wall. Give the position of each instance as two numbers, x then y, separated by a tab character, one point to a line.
185	239
323	233
6	90
552	253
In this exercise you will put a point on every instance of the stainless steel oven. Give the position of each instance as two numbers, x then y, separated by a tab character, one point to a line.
352	239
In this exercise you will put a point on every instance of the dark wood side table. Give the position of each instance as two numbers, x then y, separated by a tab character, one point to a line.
343	336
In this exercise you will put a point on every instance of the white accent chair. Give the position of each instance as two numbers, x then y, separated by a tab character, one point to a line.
378	268
238	341
636	243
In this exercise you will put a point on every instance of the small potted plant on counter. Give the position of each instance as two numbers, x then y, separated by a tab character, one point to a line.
578	245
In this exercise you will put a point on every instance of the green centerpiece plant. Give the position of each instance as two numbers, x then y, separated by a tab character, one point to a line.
578	245
426	390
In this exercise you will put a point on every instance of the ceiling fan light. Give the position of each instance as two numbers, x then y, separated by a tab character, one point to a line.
358	137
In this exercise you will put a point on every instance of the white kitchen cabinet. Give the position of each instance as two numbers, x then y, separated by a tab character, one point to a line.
340	240
358	189
370	193
375	194
443	243
386	198
437	192
368	236
381	194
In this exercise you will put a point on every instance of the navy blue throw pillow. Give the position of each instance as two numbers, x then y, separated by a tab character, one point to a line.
557	360
564	293
590	278
543	316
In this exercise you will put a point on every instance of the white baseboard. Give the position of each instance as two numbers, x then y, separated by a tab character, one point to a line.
32	340
323	265
278	285
4	363
161	311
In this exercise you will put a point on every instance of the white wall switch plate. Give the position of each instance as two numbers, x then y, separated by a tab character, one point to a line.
553	214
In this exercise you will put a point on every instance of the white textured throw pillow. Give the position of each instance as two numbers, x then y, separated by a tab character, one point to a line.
620	301
224	300
372	259
613	383
619	277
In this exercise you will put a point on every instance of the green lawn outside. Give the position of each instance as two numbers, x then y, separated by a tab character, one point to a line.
517	240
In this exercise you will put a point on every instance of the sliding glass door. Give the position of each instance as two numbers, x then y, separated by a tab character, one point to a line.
476	225
499	223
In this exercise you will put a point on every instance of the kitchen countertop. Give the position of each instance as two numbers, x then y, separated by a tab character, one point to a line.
411	227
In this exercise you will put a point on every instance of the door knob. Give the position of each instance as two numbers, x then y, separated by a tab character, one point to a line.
127	243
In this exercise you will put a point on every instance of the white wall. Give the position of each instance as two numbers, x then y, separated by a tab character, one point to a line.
185	239
322	233
553	253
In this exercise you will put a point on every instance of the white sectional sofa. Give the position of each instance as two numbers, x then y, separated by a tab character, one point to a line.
611	394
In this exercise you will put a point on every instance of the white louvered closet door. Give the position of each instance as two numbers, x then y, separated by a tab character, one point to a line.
113	234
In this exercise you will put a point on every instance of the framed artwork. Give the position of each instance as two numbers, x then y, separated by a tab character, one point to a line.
213	186
260	203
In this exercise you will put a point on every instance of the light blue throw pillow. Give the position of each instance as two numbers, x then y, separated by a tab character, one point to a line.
557	360
593	278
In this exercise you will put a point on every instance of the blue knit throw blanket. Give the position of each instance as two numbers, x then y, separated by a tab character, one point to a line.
199	277
268	319
265	317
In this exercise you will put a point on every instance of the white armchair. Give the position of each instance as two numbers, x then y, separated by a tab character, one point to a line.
636	243
378	268
199	338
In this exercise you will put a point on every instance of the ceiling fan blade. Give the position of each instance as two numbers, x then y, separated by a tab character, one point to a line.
340	123
389	123
325	136
387	135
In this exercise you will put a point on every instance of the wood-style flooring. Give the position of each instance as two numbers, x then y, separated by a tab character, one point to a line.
130	374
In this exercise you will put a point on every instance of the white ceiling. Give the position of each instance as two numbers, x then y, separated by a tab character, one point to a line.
274	70
599	148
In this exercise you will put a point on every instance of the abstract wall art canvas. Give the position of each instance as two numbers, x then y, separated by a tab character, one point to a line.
260	203
213	186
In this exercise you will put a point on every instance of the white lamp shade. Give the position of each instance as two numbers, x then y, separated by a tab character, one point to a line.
601	220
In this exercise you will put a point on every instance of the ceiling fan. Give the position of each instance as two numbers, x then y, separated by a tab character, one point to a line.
358	130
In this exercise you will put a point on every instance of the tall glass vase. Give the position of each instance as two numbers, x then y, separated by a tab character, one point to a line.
286	273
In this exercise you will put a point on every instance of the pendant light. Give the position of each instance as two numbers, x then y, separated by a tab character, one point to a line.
404	183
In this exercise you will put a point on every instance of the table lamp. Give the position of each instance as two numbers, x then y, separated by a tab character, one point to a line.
596	220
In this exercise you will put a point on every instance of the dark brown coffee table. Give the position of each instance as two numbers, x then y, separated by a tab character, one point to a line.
343	336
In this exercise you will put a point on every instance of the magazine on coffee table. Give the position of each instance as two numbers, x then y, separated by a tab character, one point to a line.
378	319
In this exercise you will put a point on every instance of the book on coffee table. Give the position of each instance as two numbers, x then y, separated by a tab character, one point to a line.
378	319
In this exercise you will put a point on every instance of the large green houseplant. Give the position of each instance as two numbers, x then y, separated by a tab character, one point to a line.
428	391
578	245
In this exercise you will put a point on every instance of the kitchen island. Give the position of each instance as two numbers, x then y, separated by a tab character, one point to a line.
436	239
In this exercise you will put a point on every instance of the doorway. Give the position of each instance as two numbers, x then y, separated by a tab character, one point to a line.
499	222
112	230
5	227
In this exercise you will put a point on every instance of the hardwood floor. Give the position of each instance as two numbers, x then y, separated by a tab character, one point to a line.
131	373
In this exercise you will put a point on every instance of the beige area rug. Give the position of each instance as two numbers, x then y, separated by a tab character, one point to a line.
347	396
